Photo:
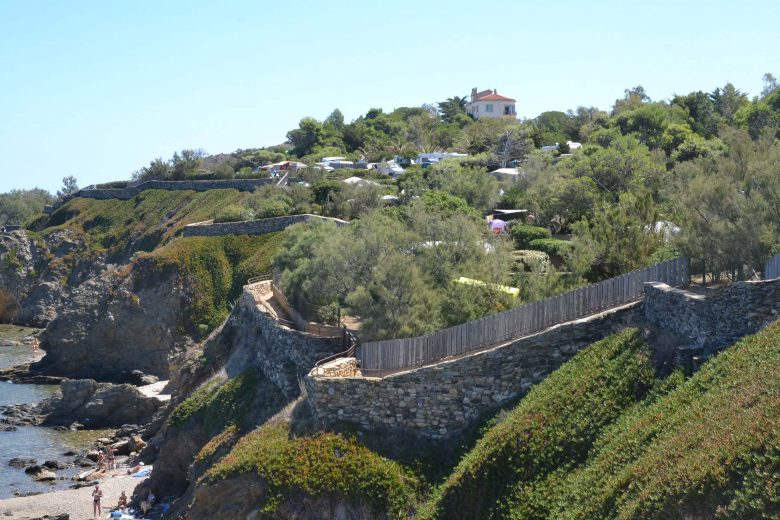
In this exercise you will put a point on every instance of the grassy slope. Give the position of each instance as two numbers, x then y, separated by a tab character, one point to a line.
141	223
585	445
215	267
554	425
710	447
323	465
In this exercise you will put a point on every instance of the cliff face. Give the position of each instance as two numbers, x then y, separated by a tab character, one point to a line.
34	272
248	375
115	322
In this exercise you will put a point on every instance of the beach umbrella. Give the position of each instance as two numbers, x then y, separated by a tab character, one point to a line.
497	224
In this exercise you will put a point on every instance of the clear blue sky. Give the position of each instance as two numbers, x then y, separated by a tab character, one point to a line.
97	89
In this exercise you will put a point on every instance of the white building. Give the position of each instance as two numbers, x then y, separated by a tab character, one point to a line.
490	104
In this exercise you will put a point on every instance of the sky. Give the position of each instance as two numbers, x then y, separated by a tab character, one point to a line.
98	89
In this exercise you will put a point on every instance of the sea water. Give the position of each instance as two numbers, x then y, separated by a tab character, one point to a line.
35	442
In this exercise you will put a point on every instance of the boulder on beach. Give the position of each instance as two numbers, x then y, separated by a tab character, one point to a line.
21	462
40	474
99	405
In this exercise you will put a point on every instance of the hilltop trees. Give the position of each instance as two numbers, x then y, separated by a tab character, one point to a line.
69	187
729	209
20	206
393	268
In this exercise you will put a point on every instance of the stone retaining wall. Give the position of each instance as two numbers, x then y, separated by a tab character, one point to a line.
131	191
252	227
438	401
284	355
713	318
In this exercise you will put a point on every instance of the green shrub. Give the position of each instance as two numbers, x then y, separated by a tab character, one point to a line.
216	405
523	234
323	465
707	449
551	246
215	268
233	213
553	426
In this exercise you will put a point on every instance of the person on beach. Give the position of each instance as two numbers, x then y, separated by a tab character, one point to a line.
111	457
122	504
96	494
101	462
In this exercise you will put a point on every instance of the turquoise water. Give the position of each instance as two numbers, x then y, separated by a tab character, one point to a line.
30	441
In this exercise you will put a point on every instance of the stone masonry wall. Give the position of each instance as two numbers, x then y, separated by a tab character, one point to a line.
131	191
284	355
715	318
252	227
439	400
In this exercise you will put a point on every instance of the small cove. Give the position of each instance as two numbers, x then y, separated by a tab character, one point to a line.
32	441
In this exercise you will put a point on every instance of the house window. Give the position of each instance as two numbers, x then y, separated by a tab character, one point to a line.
488	108
508	110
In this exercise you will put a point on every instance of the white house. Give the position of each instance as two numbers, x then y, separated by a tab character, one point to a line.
490	104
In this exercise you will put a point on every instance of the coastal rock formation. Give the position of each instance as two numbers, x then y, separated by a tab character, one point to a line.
31	272
115	324
98	405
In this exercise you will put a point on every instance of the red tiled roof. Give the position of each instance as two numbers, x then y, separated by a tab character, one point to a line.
493	97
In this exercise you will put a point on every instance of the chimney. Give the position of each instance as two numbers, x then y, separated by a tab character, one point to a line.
474	94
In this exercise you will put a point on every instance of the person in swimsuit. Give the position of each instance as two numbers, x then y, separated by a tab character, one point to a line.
96	494
122	504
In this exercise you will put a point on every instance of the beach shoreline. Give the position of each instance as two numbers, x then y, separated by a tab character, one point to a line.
77	503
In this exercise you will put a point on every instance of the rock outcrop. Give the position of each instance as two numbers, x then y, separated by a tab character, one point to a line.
33	272
115	324
98	405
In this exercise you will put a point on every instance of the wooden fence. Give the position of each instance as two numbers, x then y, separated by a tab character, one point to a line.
772	268
377	357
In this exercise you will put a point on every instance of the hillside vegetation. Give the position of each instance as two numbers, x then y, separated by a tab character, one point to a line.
144	233
216	269
603	438
120	227
325	464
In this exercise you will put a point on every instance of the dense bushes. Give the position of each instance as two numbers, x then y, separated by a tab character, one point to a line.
216	268
323	465
523	234
551	246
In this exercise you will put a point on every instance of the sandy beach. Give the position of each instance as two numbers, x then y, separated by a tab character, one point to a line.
76	502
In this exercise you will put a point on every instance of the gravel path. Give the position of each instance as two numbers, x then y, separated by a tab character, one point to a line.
76	502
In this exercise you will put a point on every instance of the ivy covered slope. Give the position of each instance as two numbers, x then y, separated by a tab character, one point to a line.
325	473
144	231
119	270
120	227
604	437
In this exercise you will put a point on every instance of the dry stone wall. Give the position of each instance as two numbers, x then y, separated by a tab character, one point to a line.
439	401
253	227
283	355
714	318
